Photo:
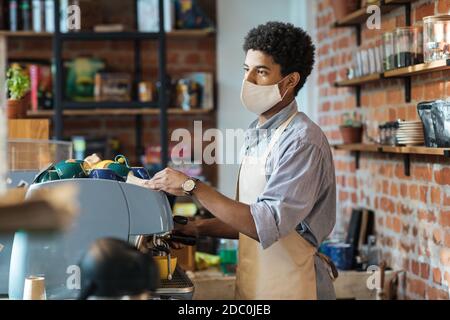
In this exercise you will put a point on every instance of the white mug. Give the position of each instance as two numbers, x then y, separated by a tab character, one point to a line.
34	289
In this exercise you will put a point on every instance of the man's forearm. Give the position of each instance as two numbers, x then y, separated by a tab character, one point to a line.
234	214
215	228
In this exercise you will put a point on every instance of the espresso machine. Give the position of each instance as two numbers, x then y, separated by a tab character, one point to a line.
107	209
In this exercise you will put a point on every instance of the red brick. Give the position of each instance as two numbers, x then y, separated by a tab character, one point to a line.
385	187
415	267
403	190
397	225
423	193
417	287
442	176
437	276
414	192
343	196
436	195
424	173
394	190
395	97
426	215
425	270
424	11
445	219
437	236
443	6
447	239
387	205
436	294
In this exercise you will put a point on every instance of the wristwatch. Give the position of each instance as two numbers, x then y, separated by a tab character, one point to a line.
189	186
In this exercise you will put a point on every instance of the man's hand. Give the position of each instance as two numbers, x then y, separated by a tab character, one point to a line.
169	181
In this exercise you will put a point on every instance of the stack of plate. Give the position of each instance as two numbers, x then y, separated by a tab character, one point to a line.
409	133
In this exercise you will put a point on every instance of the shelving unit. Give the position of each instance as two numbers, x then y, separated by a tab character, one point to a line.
171	34
402	73
132	108
405	151
359	81
357	18
116	112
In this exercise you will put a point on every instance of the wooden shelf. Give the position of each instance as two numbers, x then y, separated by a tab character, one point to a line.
191	33
360	16
19	34
418	150
403	73
91	35
405	151
115	112
419	69
361	147
359	81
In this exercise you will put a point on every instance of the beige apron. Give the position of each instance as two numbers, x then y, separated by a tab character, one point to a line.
284	271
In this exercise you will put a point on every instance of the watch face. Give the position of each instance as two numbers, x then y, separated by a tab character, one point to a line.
189	185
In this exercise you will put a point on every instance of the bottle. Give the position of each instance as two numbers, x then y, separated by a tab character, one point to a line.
38	15
373	253
25	10
228	255
49	16
64	4
13	16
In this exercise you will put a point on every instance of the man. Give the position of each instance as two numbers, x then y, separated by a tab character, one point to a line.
286	197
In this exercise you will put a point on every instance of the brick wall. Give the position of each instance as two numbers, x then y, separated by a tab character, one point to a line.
412	213
184	54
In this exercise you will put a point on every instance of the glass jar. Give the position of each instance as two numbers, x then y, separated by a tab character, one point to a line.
408	46
228	253
388	51
436	38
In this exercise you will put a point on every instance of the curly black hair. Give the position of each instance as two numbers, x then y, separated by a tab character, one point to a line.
290	47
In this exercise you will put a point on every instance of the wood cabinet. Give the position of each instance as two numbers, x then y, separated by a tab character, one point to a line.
37	129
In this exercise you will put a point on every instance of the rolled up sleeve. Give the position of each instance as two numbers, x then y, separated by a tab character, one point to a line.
290	193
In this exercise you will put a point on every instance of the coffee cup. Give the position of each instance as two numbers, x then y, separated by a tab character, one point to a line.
34	288
50	175
120	166
71	169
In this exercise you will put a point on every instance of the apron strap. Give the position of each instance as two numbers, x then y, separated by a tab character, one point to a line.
332	270
279	131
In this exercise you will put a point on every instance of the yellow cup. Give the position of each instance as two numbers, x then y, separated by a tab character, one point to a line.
161	261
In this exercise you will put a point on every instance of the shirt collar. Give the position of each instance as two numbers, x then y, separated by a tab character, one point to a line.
255	134
276	120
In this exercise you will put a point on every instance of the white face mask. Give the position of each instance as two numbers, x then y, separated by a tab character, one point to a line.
259	99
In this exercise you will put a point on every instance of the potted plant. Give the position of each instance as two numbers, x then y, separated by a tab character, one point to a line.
18	84
351	130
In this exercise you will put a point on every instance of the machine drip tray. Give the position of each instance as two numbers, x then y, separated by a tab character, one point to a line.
179	287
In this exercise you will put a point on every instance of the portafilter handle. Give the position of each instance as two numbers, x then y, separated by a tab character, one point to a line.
180	220
186	240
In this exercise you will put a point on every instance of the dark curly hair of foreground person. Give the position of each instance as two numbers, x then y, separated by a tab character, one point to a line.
290	47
